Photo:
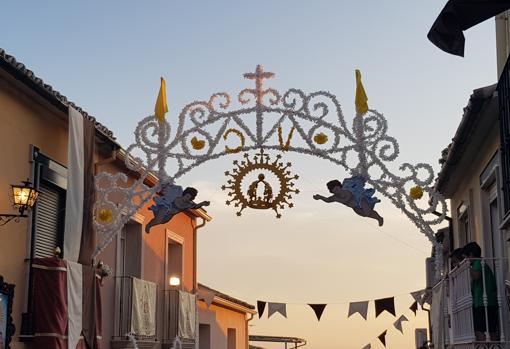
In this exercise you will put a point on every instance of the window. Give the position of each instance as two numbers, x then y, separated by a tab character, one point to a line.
231	338
128	265
493	240
464	228
130	244
174	321
204	336
48	222
504	129
490	185
174	256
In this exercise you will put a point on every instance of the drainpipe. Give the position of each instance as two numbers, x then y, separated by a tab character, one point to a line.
502	41
247	333
430	323
195	236
195	281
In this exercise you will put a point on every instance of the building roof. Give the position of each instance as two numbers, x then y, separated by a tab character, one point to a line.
26	76
226	297
472	122
276	339
35	83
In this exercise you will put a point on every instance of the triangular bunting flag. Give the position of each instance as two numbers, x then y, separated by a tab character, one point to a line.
383	304
414	307
206	295
277	308
318	309
398	323
368	346
358	307
261	306
382	337
419	296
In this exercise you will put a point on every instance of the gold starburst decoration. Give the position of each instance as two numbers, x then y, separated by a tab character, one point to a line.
269	199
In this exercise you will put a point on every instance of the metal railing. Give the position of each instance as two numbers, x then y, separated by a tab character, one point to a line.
175	321
458	306
124	310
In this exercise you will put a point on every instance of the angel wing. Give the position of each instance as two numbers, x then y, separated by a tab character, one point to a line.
356	185
170	193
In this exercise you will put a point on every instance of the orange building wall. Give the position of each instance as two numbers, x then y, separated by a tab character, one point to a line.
24	119
221	319
153	261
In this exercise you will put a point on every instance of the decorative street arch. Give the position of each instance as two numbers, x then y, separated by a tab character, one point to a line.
313	124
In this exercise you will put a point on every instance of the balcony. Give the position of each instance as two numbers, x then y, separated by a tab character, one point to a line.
180	319
452	312
135	313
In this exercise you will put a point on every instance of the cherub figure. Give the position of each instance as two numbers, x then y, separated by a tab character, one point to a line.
173	201
352	193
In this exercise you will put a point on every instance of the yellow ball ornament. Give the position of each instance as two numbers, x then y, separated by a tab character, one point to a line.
416	192
105	215
320	138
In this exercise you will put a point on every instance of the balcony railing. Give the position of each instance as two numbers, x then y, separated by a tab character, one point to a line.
138	319
180	318
457	307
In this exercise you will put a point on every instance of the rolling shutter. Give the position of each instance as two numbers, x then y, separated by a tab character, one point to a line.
48	220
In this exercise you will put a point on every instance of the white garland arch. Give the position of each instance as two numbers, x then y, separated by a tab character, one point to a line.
261	113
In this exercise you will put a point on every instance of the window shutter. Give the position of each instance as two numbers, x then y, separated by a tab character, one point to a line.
48	221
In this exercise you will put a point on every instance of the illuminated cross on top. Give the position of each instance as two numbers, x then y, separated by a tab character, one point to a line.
259	77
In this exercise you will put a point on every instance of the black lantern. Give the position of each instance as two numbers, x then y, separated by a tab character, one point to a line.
23	197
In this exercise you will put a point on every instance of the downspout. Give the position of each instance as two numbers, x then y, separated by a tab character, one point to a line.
430	323
195	281
195	236
247	333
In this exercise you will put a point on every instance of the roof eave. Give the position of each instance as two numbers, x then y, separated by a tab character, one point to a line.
460	141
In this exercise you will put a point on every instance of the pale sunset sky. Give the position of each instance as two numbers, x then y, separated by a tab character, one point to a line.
107	56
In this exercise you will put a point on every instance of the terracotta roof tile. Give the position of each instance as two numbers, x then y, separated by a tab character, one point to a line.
28	77
227	297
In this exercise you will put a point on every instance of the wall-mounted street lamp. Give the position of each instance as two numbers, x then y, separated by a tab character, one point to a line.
174	281
23	198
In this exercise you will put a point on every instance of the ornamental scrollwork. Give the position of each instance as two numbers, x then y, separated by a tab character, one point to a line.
319	128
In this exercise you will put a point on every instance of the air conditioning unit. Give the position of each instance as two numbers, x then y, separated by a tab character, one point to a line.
420	338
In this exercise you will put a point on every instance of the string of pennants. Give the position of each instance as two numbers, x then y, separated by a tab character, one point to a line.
397	324
361	308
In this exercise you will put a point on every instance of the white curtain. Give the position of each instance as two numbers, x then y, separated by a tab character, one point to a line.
187	314
143	308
